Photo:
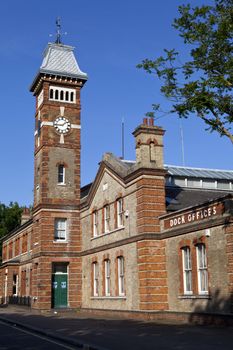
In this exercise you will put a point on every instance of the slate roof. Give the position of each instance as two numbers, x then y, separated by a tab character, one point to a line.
199	172
177	198
59	59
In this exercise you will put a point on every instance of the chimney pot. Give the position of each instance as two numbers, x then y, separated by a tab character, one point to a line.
151	121
145	121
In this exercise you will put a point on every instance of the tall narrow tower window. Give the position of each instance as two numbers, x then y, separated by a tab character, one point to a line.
61	174
67	95
61	95
51	94
56	94
72	96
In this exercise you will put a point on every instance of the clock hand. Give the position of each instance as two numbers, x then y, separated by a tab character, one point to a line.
62	123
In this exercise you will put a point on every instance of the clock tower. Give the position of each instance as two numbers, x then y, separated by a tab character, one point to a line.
56	280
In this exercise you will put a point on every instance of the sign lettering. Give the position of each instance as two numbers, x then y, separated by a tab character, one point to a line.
196	215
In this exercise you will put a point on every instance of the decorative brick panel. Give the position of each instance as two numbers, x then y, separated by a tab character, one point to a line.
152	274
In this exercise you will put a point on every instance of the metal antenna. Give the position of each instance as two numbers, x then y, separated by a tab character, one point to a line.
182	142
123	138
58	32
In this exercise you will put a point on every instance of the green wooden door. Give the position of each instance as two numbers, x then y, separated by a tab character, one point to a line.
59	290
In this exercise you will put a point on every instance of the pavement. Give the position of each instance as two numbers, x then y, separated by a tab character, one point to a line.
90	331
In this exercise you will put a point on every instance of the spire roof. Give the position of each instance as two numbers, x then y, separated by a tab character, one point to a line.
59	60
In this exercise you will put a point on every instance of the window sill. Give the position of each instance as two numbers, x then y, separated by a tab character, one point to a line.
61	184
196	296
60	241
108	298
108	233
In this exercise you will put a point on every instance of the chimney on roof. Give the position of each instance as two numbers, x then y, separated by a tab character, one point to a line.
26	215
149	144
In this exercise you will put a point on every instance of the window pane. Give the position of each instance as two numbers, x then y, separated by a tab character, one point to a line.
179	182
107	277
96	278
120	212
60	229
194	183
202	269
61	173
121	287
224	185
187	270
208	183
106	218
95	223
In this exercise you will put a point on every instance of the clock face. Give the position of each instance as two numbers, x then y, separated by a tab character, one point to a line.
62	125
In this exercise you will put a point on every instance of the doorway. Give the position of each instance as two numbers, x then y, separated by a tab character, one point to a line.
59	285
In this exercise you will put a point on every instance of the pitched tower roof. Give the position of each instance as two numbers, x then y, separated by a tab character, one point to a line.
59	60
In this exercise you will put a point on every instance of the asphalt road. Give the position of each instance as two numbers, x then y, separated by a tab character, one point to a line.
115	334
12	338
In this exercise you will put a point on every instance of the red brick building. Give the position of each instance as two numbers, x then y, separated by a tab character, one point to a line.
142	237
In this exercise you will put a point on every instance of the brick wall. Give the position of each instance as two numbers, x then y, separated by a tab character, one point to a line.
152	273
150	204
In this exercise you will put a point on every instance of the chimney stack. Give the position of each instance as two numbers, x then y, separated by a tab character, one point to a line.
149	144
26	215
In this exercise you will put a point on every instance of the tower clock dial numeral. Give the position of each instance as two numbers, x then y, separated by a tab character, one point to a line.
62	125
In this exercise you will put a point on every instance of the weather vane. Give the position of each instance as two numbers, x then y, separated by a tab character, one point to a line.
58	24
58	31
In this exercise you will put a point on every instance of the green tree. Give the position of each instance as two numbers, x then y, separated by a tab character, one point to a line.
203	83
10	217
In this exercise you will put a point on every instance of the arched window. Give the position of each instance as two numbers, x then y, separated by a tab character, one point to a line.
51	93
121	277
56	94
95	223
61	174
107	218
61	95
95	267
202	272
72	96
67	96
107	277
120	212
187	270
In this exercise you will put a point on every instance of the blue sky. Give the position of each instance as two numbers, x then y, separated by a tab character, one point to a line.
111	38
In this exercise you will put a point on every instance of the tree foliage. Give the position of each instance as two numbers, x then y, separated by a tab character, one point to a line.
203	84
10	217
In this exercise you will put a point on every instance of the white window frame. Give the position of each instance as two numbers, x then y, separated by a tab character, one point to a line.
187	270
121	277
120	213
107	218
60	229
15	284
95	279
62	174
202	269
58	93
107	277
95	223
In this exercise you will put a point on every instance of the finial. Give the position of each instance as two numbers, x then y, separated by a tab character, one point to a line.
58	24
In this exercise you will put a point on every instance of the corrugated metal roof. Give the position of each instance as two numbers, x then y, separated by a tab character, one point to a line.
199	172
60	60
